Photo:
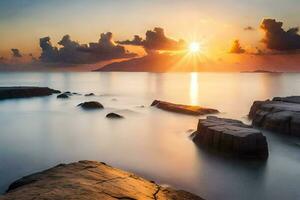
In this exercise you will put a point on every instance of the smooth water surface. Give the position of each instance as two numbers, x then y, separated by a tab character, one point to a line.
38	133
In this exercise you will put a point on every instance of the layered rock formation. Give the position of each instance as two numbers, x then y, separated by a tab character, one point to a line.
230	137
281	114
184	109
90	180
25	92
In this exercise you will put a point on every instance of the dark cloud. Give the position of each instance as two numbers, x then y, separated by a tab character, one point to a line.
236	47
137	40
276	38
156	40
16	53
73	52
49	53
249	28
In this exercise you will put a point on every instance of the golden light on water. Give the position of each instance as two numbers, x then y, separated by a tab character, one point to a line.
194	87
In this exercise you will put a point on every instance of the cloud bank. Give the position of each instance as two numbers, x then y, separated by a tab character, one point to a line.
75	53
137	41
156	40
276	38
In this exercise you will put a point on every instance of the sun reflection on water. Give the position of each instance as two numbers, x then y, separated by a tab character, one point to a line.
194	87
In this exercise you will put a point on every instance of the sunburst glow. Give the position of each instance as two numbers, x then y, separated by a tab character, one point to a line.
194	47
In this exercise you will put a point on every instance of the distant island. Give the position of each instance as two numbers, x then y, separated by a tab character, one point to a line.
260	71
147	63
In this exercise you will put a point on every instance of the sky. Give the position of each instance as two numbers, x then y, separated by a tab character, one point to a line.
214	24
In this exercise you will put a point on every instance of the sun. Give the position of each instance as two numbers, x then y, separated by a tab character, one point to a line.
194	47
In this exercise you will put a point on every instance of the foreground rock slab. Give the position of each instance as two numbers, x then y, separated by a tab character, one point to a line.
231	137
183	109
90	180
25	92
281	114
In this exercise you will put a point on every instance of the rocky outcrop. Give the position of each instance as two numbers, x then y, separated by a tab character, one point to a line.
281	114
25	92
114	116
90	180
230	137
183	109
90	105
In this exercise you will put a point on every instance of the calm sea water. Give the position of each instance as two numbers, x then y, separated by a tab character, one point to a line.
38	133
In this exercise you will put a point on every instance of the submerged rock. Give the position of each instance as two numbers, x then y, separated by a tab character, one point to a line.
91	105
231	137
90	94
184	109
281	115
75	93
63	96
90	180
25	92
114	116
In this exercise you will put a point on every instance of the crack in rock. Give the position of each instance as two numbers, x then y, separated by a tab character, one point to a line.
156	192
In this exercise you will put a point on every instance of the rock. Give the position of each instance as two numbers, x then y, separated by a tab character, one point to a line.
114	116
281	114
63	96
90	94
231	137
25	92
75	93
184	109
90	180
91	105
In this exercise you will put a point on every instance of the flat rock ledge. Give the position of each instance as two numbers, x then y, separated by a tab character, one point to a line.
90	180
25	92
183	109
231	137
281	114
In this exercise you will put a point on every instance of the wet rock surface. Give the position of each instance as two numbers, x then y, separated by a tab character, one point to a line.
281	114
230	137
89	94
183	109
90	105
63	96
25	92
90	180
114	116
